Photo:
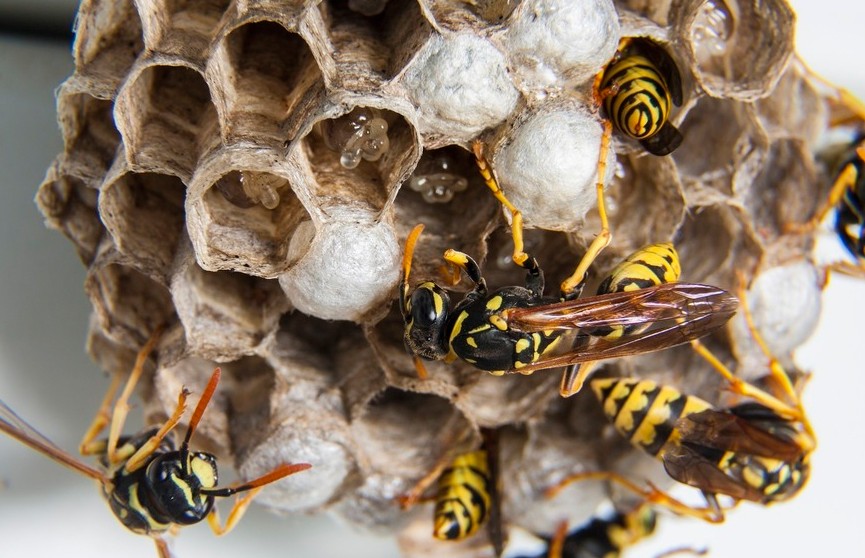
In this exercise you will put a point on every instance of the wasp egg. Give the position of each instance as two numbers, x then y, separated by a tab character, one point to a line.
360	134
437	179
231	188
711	30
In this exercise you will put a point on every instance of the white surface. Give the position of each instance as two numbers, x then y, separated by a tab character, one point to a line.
48	511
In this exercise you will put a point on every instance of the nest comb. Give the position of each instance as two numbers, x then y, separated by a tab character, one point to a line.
213	178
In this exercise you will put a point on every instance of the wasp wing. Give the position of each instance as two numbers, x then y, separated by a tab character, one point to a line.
686	465
725	430
18	428
671	314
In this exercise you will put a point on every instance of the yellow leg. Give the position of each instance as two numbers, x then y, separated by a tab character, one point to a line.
846	180
139	458
558	541
651	494
121	407
574	377
100	421
241	504
519	256
163	549
416	494
602	240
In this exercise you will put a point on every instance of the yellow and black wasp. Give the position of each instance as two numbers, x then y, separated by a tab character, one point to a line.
758	450
151	486
517	329
847	195
467	495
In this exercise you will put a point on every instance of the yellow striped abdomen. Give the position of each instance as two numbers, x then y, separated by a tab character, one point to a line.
644	412
649	266
642	103
464	497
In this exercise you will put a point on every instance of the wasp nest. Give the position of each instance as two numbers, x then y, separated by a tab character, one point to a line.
247	171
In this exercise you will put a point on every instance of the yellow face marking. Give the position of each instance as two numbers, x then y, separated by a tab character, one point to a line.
204	471
494	303
470	341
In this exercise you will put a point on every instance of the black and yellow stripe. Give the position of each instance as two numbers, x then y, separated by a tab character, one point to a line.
644	412
649	266
464	496
642	103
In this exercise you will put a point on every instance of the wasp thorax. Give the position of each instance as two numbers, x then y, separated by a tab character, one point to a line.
360	134
174	490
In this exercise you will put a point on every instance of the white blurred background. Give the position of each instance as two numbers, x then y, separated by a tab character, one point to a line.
46	510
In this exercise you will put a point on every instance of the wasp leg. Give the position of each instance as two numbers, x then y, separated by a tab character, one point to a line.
163	548
683	550
463	261
844	268
520	257
100	421
557	543
713	513
575	376
845	181
416	494
575	281
241	504
141	455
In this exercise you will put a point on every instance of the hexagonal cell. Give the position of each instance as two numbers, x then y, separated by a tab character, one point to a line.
144	215
447	194
402	437
181	27
775	198
129	305
89	135
69	206
735	136
232	232
108	40
224	315
368	50
161	113
714	242
795	109
260	72
457	15
377	172
736	49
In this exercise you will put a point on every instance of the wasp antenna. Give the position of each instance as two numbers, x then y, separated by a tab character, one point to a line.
278	473
199	409
409	250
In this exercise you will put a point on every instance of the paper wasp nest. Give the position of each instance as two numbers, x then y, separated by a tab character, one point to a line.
247	171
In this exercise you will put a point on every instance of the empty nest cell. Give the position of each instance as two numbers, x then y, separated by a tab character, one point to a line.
181	27
161	115
108	41
69	205
144	215
89	135
260	72
369	50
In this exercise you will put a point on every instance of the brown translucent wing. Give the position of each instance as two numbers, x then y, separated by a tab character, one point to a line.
19	429
726	431
687	466
671	313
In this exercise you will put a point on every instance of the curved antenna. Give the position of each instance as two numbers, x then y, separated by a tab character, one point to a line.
197	414
278	473
407	256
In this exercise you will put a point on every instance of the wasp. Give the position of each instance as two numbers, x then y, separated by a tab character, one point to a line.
847	194
758	450
466	496
518	329
151	486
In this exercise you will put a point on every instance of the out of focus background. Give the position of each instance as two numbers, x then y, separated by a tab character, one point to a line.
45	375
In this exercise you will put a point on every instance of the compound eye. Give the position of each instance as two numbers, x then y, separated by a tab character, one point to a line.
426	307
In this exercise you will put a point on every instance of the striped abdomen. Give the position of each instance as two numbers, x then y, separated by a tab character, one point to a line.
464	497
649	266
642	103
644	412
